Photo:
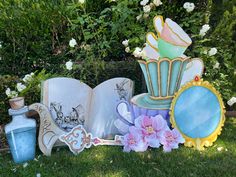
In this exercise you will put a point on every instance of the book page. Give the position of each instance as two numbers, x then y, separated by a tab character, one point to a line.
68	101
105	98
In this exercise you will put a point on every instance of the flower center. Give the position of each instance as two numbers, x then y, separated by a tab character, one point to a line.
150	129
132	141
170	138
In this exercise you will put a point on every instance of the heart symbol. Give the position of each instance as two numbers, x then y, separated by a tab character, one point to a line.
194	68
124	113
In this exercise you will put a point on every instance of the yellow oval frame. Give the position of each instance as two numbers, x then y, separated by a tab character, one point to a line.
199	143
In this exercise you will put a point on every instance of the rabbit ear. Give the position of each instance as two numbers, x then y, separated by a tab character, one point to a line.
158	23
151	39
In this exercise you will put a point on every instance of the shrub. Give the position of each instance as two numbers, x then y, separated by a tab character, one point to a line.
34	35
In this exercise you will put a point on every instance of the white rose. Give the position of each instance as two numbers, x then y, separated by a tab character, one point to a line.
231	101
212	51
72	43
20	87
137	52
28	78
13	94
127	49
81	1
143	54
146	9
125	43
8	92
217	65
139	17
189	6
186	5
69	65
204	30
144	2
157	2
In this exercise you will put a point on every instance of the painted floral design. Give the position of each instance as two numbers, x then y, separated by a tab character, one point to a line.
171	139
134	141
152	128
153	132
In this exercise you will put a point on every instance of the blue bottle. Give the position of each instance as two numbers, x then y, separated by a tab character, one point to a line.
21	135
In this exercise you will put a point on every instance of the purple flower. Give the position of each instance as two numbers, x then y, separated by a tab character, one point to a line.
134	141
171	139
152	129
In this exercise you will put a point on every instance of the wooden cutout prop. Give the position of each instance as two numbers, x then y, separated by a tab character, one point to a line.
78	139
105	99
195	67
198	112
49	132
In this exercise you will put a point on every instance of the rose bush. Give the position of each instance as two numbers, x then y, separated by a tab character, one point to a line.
80	39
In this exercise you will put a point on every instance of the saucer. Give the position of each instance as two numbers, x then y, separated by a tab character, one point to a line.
143	100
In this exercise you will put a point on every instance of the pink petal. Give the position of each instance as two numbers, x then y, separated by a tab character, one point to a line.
167	148
138	122
159	123
126	149
147	121
140	147
153	142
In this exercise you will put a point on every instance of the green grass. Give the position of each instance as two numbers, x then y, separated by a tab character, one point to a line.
111	161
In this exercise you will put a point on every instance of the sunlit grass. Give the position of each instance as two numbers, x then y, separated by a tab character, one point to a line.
111	161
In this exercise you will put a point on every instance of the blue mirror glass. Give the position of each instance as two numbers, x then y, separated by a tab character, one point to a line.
197	112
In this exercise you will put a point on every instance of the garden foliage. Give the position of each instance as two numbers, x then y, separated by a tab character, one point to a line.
35	35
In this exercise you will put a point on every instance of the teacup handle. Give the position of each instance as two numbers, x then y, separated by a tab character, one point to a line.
190	64
120	114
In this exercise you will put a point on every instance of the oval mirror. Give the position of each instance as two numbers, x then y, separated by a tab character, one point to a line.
197	111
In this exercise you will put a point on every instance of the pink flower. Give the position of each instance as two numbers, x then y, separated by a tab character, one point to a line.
171	139
134	141
152	129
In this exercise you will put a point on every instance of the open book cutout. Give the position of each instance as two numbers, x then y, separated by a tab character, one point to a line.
67	103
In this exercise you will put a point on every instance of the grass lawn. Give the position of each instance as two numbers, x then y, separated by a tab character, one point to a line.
111	161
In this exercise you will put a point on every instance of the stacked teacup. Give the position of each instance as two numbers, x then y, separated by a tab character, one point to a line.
163	68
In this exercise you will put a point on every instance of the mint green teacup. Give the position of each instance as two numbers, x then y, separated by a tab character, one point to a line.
172	40
168	50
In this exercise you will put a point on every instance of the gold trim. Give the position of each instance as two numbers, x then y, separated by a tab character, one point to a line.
162	21
141	106
188	44
199	143
149	78
178	78
158	62
169	78
173	43
149	43
159	79
160	98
